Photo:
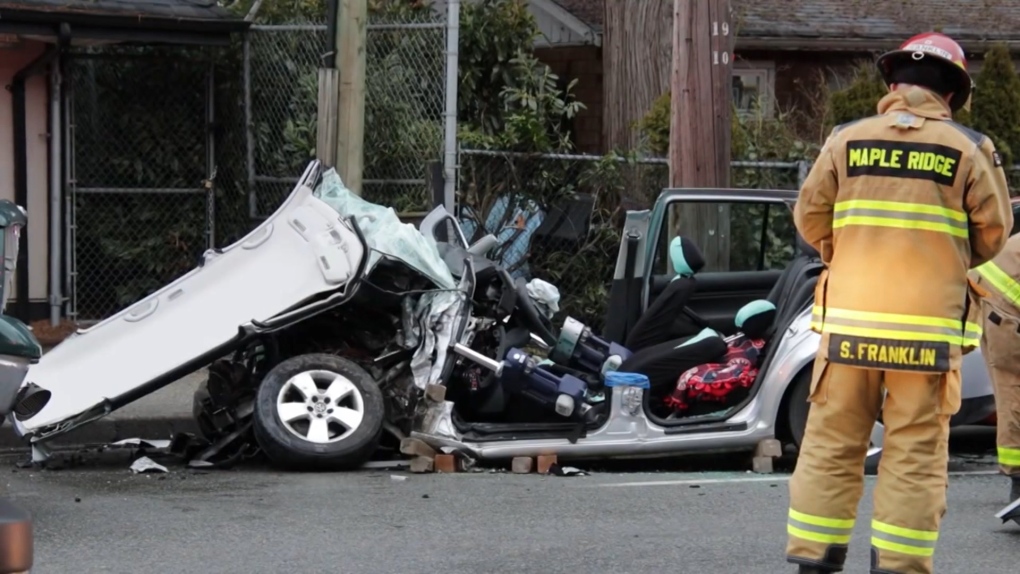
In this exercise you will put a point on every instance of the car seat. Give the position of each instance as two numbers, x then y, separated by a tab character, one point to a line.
797	292
665	362
787	292
805	255
707	387
662	363
656	322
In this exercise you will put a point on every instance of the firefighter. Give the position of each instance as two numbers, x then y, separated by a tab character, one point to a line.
900	205
999	282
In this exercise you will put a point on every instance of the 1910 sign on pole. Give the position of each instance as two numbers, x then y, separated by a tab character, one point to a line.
699	143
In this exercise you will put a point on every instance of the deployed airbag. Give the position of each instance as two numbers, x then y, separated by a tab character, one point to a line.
385	234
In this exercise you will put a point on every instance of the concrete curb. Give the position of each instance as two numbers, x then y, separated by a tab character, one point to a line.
107	430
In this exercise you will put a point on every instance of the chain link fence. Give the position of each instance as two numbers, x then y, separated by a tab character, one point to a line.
559	217
405	87
138	211
404	102
173	150
281	65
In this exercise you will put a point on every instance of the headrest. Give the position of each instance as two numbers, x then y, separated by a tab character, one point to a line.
805	248
705	333
685	256
755	318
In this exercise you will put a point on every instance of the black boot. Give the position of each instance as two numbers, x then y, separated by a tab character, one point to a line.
1014	491
813	570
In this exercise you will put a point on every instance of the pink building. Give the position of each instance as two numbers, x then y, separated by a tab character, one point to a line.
35	158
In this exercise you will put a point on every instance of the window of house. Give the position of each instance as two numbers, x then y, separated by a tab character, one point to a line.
732	235
753	87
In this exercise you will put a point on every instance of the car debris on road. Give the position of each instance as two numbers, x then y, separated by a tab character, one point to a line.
145	464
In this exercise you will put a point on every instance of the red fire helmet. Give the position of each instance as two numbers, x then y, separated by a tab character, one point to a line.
940	48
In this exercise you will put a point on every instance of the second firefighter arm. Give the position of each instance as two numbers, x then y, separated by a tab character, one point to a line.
987	204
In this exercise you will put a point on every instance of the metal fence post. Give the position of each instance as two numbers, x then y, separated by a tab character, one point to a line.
210	157
803	167
56	296
249	139
450	114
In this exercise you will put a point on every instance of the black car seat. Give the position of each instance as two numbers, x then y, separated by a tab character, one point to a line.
655	324
796	292
664	362
805	255
806	263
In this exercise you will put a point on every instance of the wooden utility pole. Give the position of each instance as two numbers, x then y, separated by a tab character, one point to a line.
636	65
699	142
352	26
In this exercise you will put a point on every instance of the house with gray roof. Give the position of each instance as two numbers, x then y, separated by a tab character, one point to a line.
783	47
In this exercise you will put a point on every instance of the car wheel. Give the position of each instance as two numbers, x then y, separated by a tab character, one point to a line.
798	406
319	412
797	413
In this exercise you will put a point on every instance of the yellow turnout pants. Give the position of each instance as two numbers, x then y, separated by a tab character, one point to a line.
910	496
1000	348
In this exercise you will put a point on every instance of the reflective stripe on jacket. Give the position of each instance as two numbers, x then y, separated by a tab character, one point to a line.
999	277
895	326
899	215
901	205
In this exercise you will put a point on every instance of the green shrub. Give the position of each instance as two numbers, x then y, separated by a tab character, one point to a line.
996	102
654	128
753	137
858	100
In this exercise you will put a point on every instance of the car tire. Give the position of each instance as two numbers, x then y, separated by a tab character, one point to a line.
797	406
797	409
286	393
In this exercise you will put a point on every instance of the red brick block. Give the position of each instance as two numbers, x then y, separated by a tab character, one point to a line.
445	463
545	461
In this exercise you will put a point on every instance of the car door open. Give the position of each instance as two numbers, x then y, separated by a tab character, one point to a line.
746	242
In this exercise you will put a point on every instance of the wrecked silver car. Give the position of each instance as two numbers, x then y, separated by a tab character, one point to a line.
333	325
320	328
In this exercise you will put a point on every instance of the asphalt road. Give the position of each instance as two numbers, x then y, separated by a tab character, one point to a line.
98	517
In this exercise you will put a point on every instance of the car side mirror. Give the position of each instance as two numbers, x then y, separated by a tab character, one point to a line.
12	220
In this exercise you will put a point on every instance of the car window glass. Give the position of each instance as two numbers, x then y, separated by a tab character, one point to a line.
733	236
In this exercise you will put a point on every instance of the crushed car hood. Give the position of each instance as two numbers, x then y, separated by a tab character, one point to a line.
429	324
